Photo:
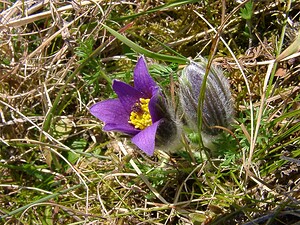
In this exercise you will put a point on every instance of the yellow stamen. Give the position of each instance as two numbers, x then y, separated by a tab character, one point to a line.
140	116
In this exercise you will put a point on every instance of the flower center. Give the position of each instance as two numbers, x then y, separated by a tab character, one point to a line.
140	116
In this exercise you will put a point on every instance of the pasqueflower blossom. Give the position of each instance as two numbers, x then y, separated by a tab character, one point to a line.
217	108
140	111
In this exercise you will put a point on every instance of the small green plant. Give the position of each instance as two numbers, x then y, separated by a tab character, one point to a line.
246	13
93	71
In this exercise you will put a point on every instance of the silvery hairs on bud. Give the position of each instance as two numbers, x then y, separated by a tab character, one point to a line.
168	135
217	106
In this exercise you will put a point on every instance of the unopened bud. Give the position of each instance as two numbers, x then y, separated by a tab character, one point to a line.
217	106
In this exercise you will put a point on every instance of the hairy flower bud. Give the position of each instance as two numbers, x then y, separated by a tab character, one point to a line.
169	131
217	106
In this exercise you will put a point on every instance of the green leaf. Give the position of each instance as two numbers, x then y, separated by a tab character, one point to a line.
160	8
287	115
287	133
146	52
293	48
246	12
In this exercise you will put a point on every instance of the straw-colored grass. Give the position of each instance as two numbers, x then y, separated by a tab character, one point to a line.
57	166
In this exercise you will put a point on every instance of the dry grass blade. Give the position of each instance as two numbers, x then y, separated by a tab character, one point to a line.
57	165
8	21
139	172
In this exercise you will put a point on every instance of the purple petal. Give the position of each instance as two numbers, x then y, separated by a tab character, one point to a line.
125	128
145	140
113	114
142	79
157	106
110	110
128	95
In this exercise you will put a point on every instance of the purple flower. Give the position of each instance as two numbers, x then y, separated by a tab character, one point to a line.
138	111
